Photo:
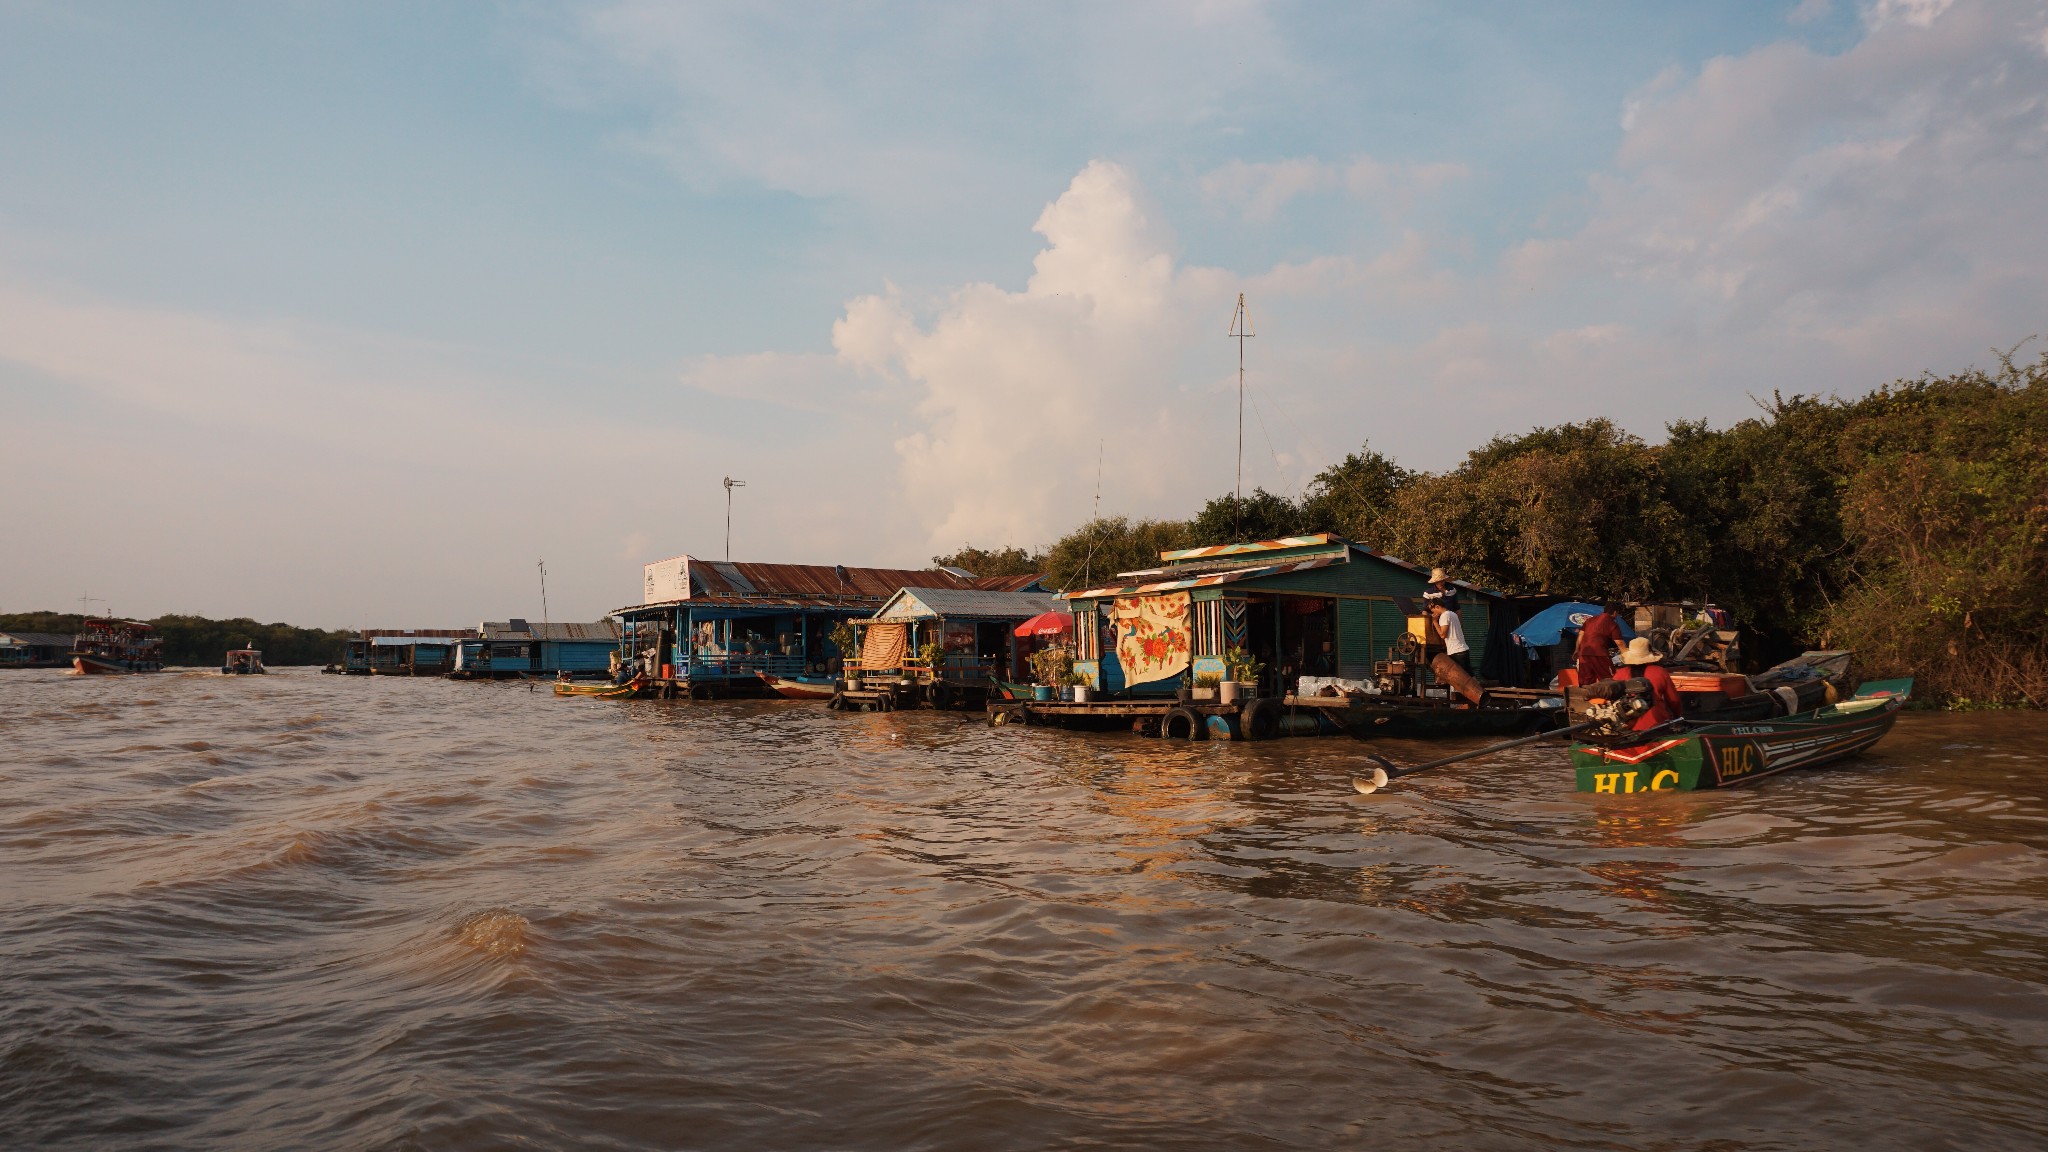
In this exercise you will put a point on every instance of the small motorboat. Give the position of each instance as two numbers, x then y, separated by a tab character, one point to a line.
243	662
1689	755
802	687
605	691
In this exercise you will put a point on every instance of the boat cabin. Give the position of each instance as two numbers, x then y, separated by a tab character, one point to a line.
243	662
1309	608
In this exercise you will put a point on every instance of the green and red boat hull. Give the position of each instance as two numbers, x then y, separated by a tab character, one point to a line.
1731	754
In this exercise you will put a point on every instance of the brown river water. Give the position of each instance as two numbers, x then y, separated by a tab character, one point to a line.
307	911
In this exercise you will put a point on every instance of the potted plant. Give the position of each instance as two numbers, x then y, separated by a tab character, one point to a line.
846	638
1242	678
1205	686
1051	667
931	655
1077	687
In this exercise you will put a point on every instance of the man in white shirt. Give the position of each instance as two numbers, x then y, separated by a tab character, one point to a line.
1453	630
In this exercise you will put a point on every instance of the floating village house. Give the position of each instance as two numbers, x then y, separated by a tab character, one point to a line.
706	625
403	652
975	629
1303	605
36	649
499	651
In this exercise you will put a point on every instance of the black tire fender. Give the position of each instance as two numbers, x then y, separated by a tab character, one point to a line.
1262	720
1184	724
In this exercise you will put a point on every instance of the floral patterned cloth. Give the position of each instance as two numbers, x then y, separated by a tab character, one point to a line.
1152	636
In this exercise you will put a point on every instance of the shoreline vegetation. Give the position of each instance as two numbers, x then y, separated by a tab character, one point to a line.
197	642
1910	524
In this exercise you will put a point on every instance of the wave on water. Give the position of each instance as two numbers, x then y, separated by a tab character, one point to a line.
496	932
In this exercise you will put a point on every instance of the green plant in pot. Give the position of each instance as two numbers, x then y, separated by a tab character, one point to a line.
846	638
1052	666
1205	685
1243	668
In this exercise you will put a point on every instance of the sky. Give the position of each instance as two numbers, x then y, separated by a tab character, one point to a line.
350	314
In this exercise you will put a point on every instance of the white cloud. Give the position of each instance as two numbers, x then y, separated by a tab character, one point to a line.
1016	389
1792	191
1809	11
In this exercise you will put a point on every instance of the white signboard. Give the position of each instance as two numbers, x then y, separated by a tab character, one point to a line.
667	580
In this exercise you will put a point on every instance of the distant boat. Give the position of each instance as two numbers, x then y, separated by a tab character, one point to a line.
802	687
117	647
243	662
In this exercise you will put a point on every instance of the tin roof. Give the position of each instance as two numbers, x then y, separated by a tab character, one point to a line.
719	578
924	603
601	630
1213	550
431	641
39	639
1205	581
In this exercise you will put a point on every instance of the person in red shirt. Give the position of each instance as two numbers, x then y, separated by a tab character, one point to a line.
1600	636
1643	664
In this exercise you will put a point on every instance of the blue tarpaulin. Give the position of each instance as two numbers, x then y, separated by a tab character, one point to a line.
1549	626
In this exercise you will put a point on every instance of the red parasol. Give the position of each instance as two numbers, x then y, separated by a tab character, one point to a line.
1047	624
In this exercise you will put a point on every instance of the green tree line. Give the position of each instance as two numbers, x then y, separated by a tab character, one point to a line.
195	641
1910	524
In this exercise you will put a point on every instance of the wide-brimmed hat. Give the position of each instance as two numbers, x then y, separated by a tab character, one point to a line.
1639	652
1438	576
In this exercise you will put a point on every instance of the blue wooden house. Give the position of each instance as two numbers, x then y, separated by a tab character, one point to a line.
1316	606
516	648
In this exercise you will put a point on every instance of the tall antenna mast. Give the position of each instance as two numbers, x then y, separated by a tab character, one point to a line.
730	484
1241	331
1094	521
543	594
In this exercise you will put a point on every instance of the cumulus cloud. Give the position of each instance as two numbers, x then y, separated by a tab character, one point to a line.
1891	191
1015	390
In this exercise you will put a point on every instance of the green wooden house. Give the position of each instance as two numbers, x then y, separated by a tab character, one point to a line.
1304	605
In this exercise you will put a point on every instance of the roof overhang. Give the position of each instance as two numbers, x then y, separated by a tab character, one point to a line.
1207	581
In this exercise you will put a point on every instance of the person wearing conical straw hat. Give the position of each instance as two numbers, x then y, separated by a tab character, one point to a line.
1643	664
1440	590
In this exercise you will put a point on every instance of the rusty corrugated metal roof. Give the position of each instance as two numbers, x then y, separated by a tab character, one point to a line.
716	578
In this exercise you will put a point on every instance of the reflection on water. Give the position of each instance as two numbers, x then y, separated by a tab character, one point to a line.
305	911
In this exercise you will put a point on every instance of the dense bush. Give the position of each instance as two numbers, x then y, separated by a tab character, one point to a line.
195	641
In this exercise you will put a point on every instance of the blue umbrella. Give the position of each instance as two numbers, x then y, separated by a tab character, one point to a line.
1549	626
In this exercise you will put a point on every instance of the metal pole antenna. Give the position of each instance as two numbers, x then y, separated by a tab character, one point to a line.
544	594
1240	330
730	484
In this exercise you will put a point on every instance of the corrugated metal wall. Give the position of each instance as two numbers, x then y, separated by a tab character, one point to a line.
1354	639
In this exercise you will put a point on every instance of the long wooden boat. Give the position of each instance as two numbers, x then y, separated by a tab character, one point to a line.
802	687
626	691
1690	756
1371	718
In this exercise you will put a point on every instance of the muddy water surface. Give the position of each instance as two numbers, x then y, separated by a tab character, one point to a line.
323	912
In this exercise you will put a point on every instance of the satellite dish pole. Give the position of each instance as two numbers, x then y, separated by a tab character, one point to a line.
730	484
1240	331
